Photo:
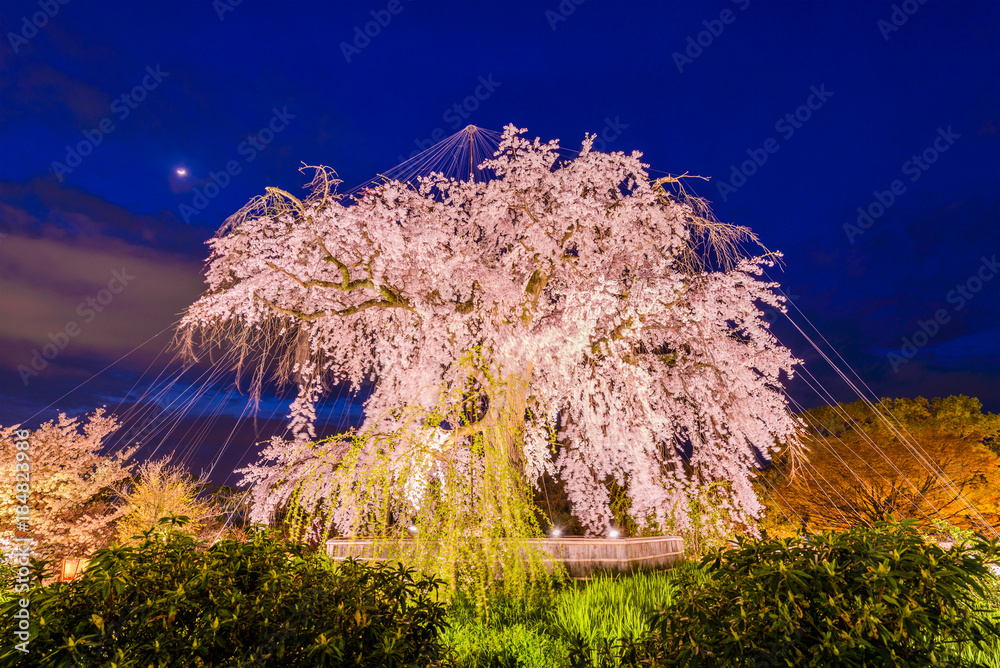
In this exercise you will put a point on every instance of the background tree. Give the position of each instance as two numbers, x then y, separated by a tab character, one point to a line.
568	316
909	458
71	502
162	489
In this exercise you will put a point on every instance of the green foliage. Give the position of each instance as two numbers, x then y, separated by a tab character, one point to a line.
882	596
949	533
957	415
517	645
708	528
585	618
472	523
8	571
516	633
610	608
265	602
989	656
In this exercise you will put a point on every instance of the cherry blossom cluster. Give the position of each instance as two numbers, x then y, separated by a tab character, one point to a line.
572	279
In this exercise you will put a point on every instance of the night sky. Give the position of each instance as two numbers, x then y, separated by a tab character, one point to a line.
858	138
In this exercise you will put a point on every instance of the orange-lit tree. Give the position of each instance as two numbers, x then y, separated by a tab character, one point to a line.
911	459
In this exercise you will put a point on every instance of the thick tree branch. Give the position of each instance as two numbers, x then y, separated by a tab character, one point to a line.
350	310
614	334
306	284
389	296
305	317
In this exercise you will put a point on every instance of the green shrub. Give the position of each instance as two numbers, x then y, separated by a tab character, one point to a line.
265	602
988	656
864	597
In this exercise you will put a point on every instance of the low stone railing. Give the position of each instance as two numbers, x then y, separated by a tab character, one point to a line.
582	556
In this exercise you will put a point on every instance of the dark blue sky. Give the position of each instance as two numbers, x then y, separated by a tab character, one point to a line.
843	105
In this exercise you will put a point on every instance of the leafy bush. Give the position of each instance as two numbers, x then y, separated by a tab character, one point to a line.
265	602
882	596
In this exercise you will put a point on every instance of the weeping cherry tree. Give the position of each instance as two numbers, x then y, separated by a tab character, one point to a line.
570	316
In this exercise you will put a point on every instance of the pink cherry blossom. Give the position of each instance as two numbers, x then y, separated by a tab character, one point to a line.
627	320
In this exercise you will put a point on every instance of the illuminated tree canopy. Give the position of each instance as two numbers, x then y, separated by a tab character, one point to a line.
569	316
65	480
909	459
